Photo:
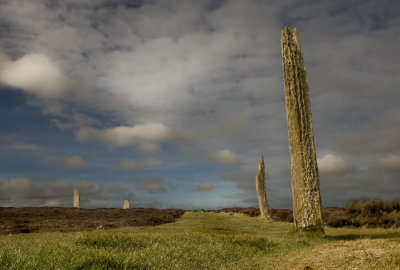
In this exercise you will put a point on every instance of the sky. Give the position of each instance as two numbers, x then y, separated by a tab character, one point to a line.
171	103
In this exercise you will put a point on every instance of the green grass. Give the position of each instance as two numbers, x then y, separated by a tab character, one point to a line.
204	241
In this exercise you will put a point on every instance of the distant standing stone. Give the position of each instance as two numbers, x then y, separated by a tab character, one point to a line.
126	204
304	170
261	190
76	198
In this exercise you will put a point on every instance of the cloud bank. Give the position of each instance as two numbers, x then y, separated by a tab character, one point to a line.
28	192
34	73
197	84
334	165
225	156
125	135
134	165
389	163
75	163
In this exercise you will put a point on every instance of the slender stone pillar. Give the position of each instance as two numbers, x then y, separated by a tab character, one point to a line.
261	191
126	204
76	198
305	184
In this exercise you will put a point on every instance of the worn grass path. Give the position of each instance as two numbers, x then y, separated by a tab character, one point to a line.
204	241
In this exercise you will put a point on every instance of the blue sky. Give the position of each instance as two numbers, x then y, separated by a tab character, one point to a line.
172	103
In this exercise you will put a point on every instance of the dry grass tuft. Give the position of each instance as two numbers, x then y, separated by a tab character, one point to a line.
352	255
375	213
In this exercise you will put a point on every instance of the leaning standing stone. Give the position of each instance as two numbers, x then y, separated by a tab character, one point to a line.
261	190
304	170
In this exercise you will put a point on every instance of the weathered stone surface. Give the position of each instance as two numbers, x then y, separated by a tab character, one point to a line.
304	170
76	198
126	204
261	190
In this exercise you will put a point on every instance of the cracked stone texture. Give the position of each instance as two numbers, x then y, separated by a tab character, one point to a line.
304	169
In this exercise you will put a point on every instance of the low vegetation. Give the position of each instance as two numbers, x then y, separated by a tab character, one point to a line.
375	213
371	214
363	213
35	219
200	240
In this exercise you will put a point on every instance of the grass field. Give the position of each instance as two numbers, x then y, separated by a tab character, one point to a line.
204	241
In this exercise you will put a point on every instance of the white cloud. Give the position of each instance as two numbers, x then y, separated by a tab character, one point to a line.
216	73
389	163
225	156
75	163
134	165
126	135
18	143
206	186
334	165
159	71
34	73
149	148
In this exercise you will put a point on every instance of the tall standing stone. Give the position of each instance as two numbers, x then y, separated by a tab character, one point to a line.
261	191
304	170
126	204
76	198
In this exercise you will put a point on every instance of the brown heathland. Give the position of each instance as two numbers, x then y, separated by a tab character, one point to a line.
368	213
32	219
373	213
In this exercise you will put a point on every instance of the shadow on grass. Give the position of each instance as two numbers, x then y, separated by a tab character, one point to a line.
353	236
